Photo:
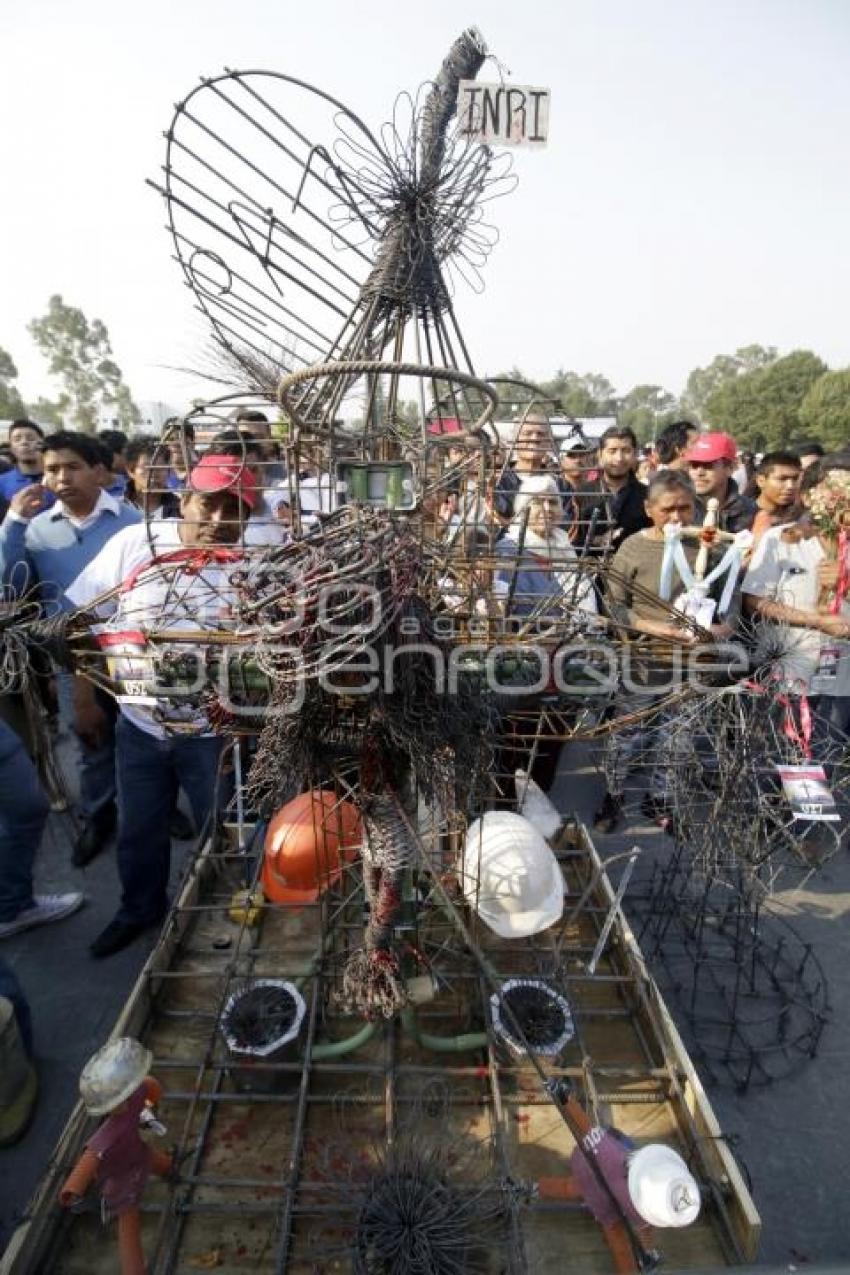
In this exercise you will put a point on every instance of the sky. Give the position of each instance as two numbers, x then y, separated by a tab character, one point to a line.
694	195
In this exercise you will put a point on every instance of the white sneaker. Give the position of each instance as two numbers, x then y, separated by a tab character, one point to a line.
45	908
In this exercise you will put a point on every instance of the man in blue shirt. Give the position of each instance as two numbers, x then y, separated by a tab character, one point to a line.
23	814
25	443
114	441
181	450
49	549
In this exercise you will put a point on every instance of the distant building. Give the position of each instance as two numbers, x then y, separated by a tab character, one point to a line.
154	416
590	427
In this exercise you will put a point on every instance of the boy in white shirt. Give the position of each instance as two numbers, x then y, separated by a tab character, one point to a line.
799	577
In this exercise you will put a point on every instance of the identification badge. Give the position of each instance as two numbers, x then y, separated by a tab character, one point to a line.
808	793
828	662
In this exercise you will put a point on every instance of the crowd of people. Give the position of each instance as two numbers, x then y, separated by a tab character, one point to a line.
82	514
584	527
774	572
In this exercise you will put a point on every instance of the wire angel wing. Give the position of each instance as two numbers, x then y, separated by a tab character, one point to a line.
298	229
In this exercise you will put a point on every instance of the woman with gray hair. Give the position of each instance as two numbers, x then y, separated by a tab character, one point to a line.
543	577
547	601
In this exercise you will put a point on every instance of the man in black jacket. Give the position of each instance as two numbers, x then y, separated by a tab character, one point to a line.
533	453
710	462
612	507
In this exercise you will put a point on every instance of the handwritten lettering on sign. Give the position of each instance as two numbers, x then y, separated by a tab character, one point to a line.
503	114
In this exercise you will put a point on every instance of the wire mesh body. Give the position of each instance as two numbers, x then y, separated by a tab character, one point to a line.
752	996
710	765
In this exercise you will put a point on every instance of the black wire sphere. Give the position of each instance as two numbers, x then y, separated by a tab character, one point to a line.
415	1221
528	1013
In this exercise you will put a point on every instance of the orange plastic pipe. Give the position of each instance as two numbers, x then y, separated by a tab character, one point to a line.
620	1247
558	1189
79	1179
130	1243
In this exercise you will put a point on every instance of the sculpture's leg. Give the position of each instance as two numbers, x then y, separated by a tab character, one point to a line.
161	1163
130	1243
620	1246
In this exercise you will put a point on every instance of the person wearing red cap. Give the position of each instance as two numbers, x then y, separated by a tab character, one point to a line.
160	743
710	460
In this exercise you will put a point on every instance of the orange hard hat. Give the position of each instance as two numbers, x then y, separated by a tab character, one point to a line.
308	842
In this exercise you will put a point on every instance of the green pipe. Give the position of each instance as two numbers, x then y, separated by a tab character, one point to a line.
441	1044
333	1048
338	1048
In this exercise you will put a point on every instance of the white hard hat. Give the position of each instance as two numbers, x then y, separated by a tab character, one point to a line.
113	1074
510	875
662	1188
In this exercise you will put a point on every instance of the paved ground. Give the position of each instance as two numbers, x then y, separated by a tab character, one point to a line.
793	1136
74	999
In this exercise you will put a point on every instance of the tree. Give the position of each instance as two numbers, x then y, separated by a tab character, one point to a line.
761	408
588	395
47	412
11	403
646	408
705	381
825	411
79	355
752	357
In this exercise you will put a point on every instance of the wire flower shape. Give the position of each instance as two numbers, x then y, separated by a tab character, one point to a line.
423	199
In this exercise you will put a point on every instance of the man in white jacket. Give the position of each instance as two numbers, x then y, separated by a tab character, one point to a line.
160	742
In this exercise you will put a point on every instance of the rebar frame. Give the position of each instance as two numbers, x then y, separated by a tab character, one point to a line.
275	1180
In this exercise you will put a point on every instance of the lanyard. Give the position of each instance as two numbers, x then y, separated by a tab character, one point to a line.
729	567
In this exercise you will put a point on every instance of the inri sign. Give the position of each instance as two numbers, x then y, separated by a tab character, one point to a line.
503	114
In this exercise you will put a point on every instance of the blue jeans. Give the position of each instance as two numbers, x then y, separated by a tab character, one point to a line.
97	765
836	711
23	814
148	770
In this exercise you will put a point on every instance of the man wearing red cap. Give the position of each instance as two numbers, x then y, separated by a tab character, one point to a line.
709	461
151	756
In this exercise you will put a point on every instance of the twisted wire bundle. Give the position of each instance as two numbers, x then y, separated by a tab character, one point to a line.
24	634
419	193
371	982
